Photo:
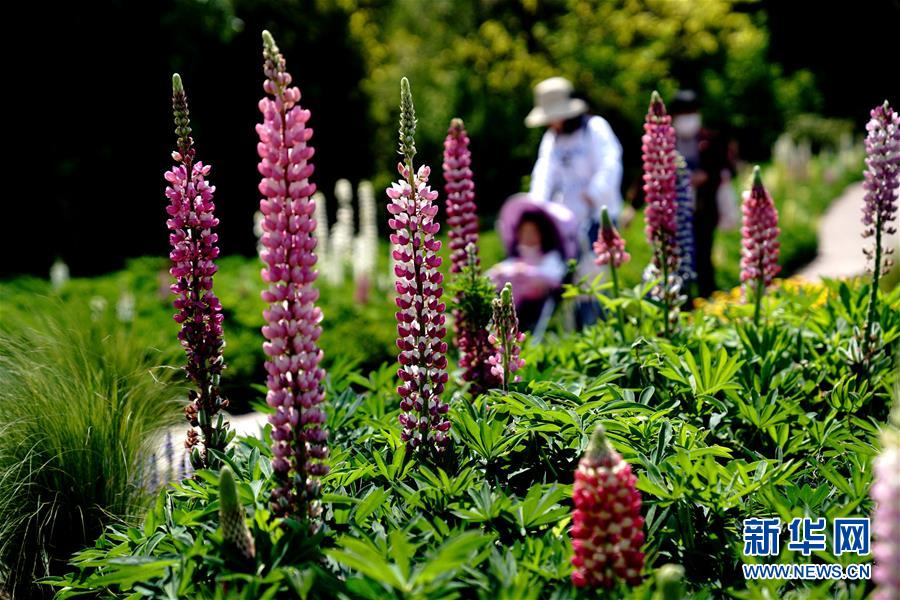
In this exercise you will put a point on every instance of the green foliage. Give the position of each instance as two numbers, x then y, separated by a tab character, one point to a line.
471	294
479	60
723	421
353	333
82	406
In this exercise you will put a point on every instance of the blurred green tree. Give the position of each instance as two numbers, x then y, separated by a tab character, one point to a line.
479	59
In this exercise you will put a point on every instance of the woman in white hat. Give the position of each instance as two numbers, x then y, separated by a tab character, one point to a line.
580	159
579	164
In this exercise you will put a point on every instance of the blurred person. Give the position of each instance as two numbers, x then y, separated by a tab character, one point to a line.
579	165
706	153
539	238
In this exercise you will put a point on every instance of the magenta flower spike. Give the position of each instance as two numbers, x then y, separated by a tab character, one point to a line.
609	246
292	318
760	246
420	318
461	218
607	526
880	202
506	339
192	222
659	164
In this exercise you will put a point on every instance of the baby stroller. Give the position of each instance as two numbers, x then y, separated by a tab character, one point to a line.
539	238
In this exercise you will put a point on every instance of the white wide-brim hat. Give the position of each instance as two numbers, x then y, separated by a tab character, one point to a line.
553	101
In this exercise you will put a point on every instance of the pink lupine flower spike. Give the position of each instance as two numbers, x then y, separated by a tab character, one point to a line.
659	164
420	318
882	181
192	223
292	318
607	526
759	241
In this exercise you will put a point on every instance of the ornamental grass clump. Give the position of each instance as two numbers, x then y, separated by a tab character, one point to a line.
83	403
292	318
607	526
610	250
880	201
192	223
420	318
659	165
506	339
759	242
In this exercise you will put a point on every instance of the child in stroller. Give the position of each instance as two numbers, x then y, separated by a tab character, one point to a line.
539	238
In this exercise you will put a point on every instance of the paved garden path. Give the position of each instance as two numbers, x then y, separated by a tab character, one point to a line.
249	424
840	239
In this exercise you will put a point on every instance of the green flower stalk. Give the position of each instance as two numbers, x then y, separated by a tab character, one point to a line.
506	339
610	250
231	517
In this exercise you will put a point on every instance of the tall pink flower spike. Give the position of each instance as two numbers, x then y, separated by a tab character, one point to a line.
461	218
292	319
659	164
880	204
759	240
192	223
420	318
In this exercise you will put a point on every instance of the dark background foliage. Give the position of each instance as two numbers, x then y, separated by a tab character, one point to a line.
92	131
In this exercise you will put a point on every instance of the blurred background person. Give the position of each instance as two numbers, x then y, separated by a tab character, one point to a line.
539	238
707	155
579	165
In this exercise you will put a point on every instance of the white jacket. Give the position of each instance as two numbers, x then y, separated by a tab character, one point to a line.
588	163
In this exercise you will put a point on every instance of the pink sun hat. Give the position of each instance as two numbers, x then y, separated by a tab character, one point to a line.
562	219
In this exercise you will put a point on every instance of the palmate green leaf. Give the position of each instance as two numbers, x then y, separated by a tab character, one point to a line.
485	433
362	556
451	556
487	504
440	564
401	551
540	506
126	571
835	479
443	483
372	501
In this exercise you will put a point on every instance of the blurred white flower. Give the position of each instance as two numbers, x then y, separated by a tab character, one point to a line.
125	307
59	274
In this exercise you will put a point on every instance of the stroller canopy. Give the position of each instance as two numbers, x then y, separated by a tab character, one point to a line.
561	218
